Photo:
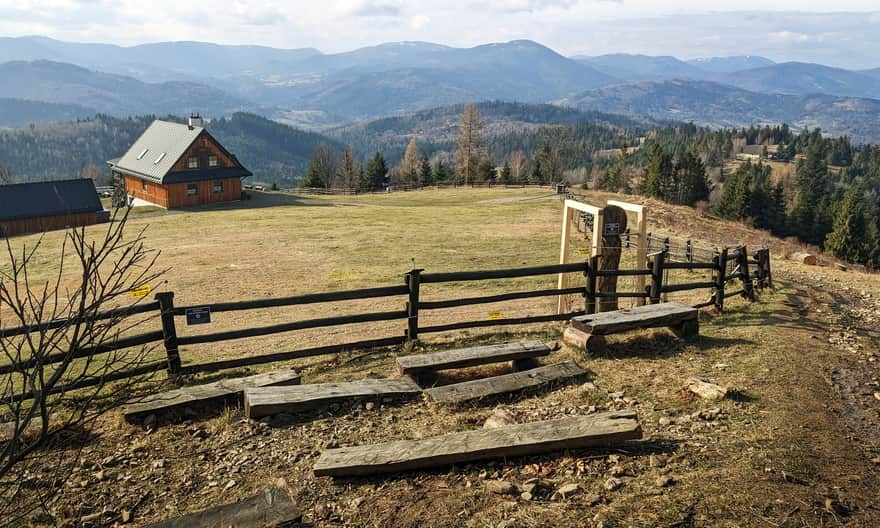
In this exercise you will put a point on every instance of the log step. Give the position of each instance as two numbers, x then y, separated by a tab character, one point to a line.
516	381
223	391
648	316
471	357
272	508
458	448
266	401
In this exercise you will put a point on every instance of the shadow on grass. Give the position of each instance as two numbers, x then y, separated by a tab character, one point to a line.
662	345
259	200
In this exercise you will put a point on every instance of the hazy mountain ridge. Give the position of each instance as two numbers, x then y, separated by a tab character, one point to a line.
714	104
62	83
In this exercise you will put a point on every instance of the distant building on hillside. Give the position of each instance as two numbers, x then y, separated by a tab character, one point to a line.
177	165
45	206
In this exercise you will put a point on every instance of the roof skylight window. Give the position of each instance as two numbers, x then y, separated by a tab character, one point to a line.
162	155
143	153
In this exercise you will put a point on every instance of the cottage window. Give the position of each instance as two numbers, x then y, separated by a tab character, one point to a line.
212	161
218	186
144	185
192	162
192	189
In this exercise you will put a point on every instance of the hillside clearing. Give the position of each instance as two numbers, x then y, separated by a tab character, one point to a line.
792	446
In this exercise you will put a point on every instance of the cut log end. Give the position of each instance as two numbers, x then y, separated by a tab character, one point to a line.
592	344
804	258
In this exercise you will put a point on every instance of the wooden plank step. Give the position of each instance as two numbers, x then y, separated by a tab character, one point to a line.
482	388
648	316
266	401
470	357
458	448
228	390
272	508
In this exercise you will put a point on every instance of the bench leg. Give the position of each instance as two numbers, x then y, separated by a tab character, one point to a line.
594	344
524	364
687	329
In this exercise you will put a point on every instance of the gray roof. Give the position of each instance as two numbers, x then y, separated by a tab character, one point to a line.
158	148
39	199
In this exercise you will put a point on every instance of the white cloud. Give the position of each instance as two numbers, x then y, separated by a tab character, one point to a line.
368	8
418	22
789	36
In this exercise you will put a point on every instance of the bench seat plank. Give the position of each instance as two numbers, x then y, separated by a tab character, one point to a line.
459	448
516	381
648	316
217	392
470	357
266	401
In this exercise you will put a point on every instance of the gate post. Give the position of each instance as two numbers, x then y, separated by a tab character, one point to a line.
413	281
169	331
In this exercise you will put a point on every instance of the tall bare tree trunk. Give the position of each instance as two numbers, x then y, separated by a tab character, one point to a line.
470	147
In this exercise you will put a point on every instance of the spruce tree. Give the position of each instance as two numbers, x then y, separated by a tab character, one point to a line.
736	196
425	172
504	178
439	173
847	239
375	173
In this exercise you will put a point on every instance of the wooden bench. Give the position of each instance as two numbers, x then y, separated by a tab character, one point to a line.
516	381
218	392
266	401
574	432
522	354
587	331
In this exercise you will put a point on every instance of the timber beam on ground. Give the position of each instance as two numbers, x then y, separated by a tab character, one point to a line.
216	393
576	432
522	354
506	383
267	401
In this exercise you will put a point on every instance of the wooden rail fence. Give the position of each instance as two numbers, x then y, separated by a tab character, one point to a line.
751	273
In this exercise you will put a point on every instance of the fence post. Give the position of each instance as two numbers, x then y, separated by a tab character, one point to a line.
657	276
592	267
169	331
689	252
765	265
413	280
720	276
743	261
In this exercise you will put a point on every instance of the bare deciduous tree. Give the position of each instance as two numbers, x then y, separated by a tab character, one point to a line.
5	176
59	371
349	170
408	171
519	166
470	144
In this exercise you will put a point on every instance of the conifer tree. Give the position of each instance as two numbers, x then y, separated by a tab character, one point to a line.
375	174
847	239
736	196
439	173
425	172
504	178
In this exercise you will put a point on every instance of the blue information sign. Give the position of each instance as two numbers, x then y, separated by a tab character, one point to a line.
201	315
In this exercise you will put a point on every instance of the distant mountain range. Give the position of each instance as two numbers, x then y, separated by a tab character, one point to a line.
310	89
713	104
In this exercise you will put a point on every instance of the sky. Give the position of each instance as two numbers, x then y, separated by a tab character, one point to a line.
842	33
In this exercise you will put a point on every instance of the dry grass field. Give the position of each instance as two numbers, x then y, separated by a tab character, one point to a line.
795	444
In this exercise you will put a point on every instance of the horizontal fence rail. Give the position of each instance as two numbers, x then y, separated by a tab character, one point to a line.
750	272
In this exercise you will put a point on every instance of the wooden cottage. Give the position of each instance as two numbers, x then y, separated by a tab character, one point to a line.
44	206
178	165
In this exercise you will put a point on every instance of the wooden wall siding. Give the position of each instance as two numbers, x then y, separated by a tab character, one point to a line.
201	148
46	223
154	193
178	197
